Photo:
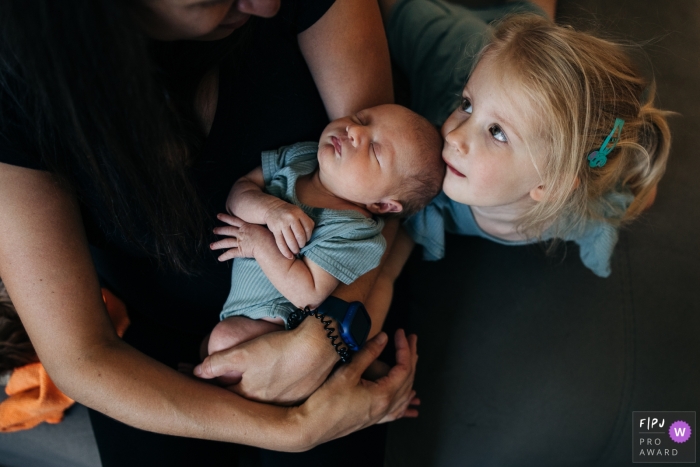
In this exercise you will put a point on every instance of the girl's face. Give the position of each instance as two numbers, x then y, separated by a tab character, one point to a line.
488	143
205	20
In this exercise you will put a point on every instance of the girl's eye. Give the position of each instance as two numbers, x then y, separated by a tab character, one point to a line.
466	105
498	134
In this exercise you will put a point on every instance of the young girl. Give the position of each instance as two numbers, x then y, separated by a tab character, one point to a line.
554	136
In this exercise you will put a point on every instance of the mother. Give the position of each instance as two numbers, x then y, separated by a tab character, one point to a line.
121	131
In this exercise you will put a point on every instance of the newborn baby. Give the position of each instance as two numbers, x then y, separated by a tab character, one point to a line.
322	204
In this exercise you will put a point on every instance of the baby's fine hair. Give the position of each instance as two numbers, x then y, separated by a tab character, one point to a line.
426	169
579	84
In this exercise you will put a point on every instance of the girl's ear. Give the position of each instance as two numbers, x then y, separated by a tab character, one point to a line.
537	193
385	206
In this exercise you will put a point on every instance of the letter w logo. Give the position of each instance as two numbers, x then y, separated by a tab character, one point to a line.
680	432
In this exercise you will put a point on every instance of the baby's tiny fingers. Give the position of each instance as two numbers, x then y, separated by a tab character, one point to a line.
308	225
299	234
224	243
282	245
230	220
226	230
230	254
291	240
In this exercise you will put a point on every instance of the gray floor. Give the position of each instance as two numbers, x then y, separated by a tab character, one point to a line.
67	444
652	301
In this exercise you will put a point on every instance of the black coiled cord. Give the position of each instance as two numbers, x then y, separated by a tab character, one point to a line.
340	347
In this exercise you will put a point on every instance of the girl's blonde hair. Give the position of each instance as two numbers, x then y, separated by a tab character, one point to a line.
579	85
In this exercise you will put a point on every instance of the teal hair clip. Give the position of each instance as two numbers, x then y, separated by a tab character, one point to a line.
599	157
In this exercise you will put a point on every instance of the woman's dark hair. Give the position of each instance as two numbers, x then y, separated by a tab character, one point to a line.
84	94
15	348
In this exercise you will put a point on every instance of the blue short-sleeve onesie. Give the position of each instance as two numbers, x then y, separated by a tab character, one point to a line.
435	43
346	244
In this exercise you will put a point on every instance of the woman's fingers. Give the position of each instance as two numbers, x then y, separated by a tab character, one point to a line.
362	359
400	377
218	364
406	353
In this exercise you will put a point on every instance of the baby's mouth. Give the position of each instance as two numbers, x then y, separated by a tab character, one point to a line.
336	144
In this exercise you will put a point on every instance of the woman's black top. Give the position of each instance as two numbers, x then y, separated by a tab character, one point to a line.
267	99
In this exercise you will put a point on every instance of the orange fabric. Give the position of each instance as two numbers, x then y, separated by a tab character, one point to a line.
34	398
117	311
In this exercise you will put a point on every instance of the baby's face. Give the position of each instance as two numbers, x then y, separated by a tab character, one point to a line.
486	143
363	157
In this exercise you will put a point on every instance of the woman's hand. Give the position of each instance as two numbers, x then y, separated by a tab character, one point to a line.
286	367
334	410
281	367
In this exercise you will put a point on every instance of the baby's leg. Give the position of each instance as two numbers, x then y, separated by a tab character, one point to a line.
234	331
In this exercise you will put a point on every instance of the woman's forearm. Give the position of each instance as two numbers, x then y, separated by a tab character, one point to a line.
380	296
361	289
348	56
121	382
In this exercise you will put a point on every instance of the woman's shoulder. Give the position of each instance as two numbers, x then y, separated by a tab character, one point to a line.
302	14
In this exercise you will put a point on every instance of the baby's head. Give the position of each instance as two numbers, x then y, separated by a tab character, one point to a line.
540	99
386	158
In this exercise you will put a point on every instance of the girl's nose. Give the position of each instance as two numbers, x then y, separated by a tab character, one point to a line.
457	139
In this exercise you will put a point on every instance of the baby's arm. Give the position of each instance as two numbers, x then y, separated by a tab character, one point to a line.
301	281
291	227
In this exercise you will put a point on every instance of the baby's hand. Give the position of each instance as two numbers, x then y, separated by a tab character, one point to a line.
291	227
242	237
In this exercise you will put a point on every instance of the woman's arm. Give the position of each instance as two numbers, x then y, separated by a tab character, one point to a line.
379	298
348	56
46	266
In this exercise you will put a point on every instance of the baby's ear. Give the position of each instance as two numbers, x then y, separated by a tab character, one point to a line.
385	206
537	193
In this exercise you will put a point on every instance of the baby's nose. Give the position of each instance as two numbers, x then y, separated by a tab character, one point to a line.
355	134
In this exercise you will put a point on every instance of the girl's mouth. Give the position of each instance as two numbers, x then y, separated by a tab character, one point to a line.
454	171
336	145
